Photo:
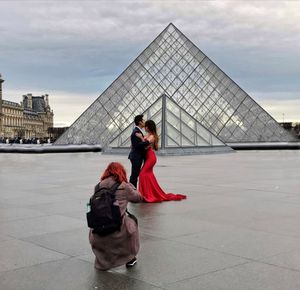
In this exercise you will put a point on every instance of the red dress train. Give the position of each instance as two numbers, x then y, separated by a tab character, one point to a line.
148	185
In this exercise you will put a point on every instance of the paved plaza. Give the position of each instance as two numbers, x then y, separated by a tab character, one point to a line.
238	229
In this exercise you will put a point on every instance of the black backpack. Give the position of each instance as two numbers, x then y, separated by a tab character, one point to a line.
104	216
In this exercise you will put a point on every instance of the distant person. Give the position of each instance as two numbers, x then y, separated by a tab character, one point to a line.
120	247
148	185
137	152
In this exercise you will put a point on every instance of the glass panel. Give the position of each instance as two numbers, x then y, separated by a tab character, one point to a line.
202	142
186	142
203	133
173	108
188	120
173	120
216	142
170	142
175	135
188	134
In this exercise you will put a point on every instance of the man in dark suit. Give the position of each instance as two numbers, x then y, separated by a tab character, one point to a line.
138	152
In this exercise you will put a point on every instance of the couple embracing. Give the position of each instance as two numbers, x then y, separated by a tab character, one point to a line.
143	159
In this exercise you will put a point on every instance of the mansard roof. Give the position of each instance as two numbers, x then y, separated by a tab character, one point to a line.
38	104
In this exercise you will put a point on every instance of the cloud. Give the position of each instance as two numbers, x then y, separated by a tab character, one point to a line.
282	110
80	47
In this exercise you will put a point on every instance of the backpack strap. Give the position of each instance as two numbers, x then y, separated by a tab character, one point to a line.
132	216
112	190
97	188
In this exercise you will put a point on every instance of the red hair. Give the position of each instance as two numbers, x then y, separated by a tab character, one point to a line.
115	170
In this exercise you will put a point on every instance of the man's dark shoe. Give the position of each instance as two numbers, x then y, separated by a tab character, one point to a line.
131	263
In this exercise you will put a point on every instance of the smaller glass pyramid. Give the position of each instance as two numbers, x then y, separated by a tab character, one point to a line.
178	131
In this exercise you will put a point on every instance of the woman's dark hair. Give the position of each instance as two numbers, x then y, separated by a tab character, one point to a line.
138	119
115	170
151	126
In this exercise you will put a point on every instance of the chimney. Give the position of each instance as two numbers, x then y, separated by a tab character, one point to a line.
29	101
1	81
24	101
47	100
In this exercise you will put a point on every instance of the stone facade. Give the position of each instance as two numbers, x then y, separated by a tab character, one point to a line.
29	119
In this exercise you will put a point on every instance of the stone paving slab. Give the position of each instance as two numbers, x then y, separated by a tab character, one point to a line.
39	225
241	242
71	242
238	229
250	276
172	261
16	254
68	274
290	260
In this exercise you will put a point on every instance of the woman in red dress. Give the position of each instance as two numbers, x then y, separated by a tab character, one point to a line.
148	185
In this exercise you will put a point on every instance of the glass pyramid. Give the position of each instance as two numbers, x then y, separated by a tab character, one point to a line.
174	66
176	128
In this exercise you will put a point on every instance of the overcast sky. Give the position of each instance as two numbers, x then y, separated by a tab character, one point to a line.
73	50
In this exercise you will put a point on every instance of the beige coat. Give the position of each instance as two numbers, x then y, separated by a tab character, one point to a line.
122	246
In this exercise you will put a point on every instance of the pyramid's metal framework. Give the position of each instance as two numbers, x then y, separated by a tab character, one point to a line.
173	66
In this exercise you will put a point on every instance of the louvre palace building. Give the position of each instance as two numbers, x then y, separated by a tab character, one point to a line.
197	107
29	119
